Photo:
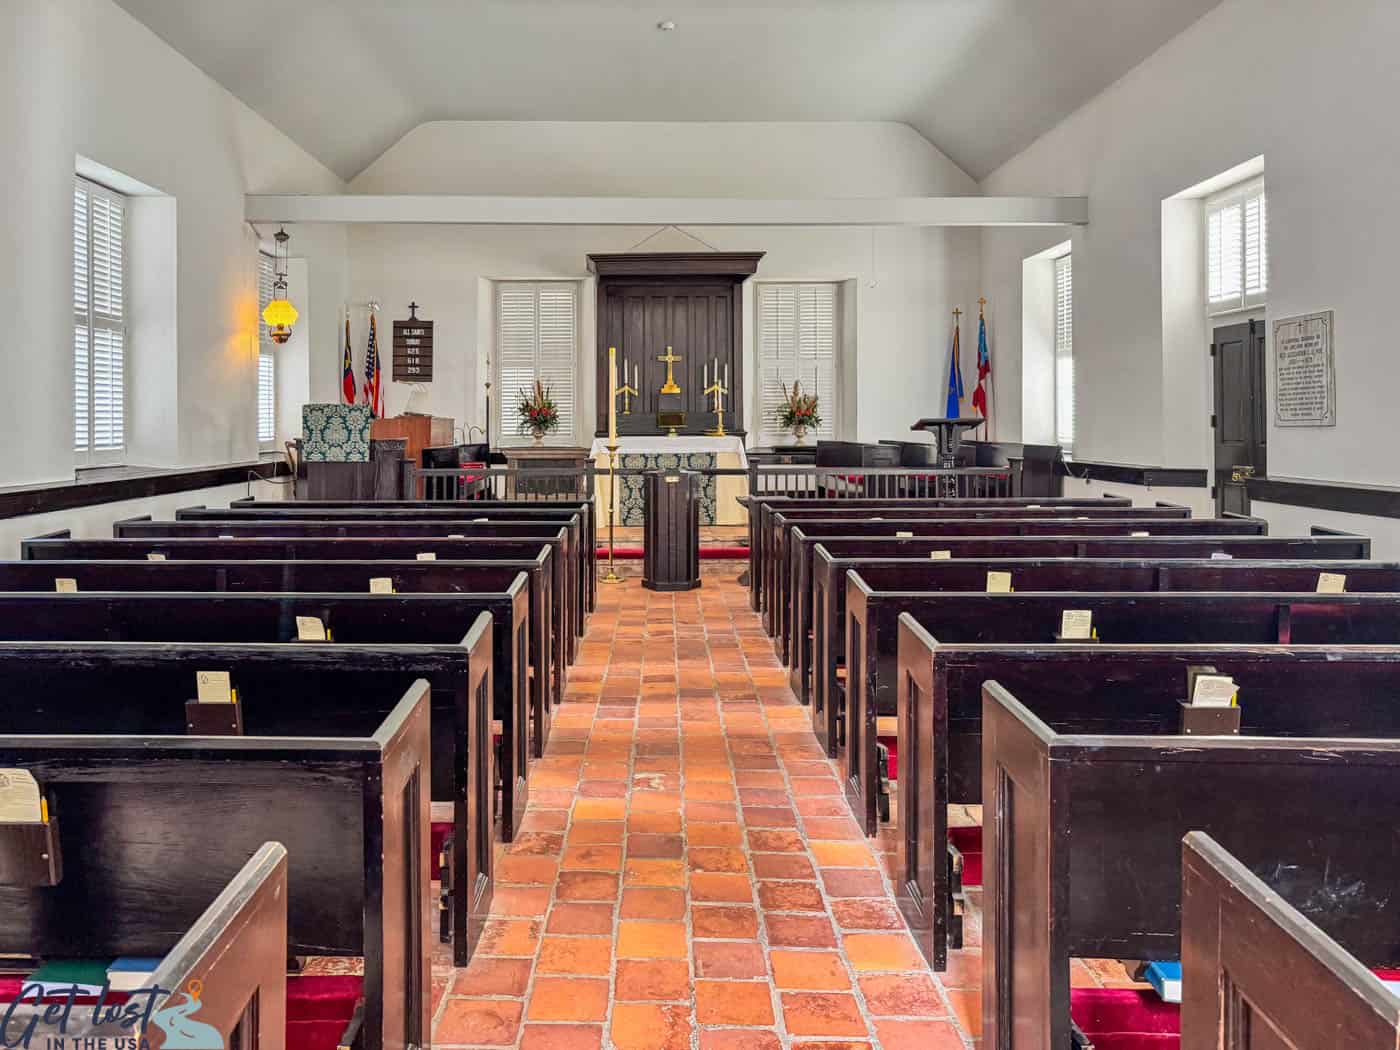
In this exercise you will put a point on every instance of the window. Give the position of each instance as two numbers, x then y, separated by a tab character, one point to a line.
536	339
99	323
1064	352
797	337
1237	248
267	361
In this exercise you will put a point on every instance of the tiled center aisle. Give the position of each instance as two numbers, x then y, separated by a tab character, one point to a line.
689	875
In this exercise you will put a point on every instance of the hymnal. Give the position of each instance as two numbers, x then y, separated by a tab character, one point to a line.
940	555
213	687
998	583
20	799
310	629
903	535
65	585
381	585
427	556
1076	623
154	556
1214	690
1331	583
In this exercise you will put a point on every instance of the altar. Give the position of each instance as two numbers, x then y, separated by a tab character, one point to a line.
718	495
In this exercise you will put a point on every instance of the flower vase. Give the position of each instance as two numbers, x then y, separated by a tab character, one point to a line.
538	434
799	434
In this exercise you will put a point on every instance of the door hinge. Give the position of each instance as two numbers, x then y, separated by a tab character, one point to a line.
1212	492
1212	349
1212	420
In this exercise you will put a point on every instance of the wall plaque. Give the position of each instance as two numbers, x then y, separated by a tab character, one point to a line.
413	349
1305	388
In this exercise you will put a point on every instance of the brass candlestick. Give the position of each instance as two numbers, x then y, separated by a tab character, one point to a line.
718	389
612	576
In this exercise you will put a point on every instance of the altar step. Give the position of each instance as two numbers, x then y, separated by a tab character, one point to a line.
712	552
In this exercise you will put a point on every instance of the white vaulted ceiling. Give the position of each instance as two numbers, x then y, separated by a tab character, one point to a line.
980	79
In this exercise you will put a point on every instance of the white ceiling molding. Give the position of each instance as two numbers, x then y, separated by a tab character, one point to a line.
664	211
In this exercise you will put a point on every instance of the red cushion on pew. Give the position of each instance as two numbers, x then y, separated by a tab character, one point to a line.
892	743
968	841
11	987
315	1035
1125	1018
437	833
323	997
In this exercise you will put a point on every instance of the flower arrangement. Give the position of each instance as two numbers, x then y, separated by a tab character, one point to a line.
539	415
798	411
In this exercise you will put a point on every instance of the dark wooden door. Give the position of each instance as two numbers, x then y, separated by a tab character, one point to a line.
1240	421
697	319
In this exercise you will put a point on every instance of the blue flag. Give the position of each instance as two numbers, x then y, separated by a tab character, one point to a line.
955	383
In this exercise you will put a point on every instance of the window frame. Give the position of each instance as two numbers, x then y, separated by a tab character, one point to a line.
505	426
1065	439
266	353
88	456
767	431
1240	194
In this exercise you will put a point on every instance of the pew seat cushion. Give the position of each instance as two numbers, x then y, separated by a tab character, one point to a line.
318	1009
438	832
1125	1018
968	842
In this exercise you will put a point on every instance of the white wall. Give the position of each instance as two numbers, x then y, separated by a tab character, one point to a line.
1311	88
907	281
81	77
95	522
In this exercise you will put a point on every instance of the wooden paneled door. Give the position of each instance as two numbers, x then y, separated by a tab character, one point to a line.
1240	420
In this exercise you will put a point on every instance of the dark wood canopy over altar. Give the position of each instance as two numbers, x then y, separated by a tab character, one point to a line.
691	302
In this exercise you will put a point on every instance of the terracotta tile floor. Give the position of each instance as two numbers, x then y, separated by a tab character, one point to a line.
666	893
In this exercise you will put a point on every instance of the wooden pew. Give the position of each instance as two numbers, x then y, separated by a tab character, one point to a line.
576	578
184	814
387	620
60	546
583	506
354	682
1129	688
828	582
1125	619
894	522
1255	969
546	678
236	948
793	541
1084	841
295	511
758	507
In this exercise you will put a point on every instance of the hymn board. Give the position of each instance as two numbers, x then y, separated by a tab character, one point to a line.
413	349
690	302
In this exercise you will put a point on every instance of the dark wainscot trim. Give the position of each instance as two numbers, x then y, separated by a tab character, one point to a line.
1129	474
114	486
1370	500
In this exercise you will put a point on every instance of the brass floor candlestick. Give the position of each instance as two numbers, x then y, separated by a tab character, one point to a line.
612	576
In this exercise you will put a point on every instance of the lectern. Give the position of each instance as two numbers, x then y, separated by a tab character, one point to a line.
671	545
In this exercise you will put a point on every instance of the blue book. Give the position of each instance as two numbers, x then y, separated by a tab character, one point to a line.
130	972
1165	977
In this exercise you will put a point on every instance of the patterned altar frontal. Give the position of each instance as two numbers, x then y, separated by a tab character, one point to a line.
629	489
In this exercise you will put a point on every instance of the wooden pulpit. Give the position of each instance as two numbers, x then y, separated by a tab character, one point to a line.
671	544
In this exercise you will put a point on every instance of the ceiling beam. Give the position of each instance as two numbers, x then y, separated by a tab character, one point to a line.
664	211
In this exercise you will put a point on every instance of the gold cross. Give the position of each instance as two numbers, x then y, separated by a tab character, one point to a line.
669	387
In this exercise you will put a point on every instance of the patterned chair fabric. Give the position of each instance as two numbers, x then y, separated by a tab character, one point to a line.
335	433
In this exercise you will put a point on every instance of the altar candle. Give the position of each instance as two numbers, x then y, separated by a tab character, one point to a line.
612	393
726	375
705	375
637	378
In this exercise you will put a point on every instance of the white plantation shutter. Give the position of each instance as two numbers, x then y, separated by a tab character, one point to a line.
1064	352
536	338
1237	249
99	321
797	340
267	361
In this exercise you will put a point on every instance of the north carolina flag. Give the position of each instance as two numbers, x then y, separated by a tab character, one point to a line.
955	383
980	396
347	373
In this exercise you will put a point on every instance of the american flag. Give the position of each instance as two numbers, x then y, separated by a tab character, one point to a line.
373	396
